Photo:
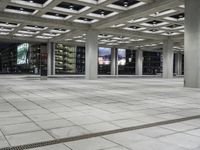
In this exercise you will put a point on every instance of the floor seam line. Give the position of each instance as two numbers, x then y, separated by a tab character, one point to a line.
99	134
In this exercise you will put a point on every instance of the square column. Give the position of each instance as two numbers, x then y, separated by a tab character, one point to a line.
192	44
139	63
43	61
168	59
178	63
91	55
114	61
51	58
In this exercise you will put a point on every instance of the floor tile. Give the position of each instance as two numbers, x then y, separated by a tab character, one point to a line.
68	132
179	127
126	138
20	128
90	144
28	138
51	124
155	132
100	127
52	147
182	140
153	145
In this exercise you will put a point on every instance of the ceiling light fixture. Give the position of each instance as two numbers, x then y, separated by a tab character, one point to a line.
125	4
102	13
71	7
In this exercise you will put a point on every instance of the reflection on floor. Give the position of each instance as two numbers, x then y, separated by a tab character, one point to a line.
34	111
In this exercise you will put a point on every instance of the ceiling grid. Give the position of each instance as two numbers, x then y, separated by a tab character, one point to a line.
128	23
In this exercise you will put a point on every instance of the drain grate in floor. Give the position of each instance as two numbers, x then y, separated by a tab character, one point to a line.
86	136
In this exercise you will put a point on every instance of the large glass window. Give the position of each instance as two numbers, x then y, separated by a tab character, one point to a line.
126	61
80	60
22	52
152	64
69	59
21	58
104	61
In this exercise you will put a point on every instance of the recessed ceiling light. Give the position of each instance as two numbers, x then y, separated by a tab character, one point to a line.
71	6
157	13
125	4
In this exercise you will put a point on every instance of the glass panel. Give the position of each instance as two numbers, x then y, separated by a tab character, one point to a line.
104	61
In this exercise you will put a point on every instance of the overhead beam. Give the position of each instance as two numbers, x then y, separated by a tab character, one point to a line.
35	20
136	34
15	39
116	32
70	34
48	7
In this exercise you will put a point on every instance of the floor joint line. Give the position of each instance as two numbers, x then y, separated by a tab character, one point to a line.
99	134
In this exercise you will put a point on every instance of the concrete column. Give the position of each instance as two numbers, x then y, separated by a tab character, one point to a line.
44	61
139	62
114	61
178	63
51	58
91	55
192	44
168	59
53	62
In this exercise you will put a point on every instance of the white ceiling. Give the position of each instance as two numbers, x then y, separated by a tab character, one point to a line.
134	24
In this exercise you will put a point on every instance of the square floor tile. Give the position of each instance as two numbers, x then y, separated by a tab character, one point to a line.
195	132
51	124
100	127
90	144
52	147
28	138
153	145
182	140
20	128
154	132
68	132
3	142
126	138
179	127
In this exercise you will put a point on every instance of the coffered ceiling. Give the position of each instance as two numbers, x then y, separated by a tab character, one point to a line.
121	23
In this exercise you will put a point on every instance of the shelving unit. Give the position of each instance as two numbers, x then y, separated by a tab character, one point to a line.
65	57
34	58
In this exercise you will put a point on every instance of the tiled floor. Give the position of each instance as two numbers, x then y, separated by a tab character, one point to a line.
34	111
